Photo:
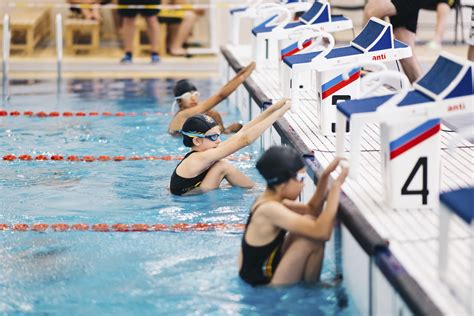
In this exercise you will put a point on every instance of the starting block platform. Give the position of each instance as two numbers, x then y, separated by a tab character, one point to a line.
276	32
406	250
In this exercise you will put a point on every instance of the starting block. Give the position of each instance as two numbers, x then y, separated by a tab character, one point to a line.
410	130
461	203
374	43
268	34
251	12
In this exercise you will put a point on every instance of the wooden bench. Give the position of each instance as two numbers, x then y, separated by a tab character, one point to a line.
141	43
81	35
28	28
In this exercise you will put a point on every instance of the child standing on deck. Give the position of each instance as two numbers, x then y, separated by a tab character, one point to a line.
283	242
205	167
187	98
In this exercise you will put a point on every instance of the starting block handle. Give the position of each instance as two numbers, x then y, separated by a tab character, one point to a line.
266	9
380	66
303	30
340	134
318	38
385	77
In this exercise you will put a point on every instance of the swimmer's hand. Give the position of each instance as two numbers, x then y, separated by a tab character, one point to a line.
331	167
247	70
278	105
344	172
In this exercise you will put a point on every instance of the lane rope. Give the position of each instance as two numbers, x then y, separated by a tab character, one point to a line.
87	158
120	227
44	114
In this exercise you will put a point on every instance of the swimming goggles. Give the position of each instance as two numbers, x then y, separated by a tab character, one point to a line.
212	137
186	95
300	177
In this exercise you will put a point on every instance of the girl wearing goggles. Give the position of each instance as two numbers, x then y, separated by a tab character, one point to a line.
204	167
283	242
187	100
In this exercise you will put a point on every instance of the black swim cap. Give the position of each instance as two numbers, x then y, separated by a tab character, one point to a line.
182	87
279	164
200	124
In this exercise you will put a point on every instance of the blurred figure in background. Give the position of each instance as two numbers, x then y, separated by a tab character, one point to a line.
180	25
442	8
87	13
128	27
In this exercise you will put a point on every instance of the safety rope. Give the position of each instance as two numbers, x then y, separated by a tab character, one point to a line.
69	114
120	227
87	158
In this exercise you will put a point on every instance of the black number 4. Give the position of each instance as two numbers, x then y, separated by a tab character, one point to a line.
421	163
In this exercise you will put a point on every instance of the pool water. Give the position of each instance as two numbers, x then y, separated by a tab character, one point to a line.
146	273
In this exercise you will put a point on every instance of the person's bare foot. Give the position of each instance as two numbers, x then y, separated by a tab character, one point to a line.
179	52
232	128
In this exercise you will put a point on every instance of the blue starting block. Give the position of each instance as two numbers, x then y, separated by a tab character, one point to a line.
461	203
374	43
251	12
410	130
268	34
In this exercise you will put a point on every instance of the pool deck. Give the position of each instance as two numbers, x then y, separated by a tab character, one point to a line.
411	235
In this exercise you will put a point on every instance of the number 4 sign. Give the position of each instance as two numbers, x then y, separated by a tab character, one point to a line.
411	158
410	130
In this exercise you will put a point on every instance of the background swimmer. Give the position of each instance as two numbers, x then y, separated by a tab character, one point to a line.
283	242
204	167
187	98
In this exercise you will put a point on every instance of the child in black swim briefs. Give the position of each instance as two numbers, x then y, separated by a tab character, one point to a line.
205	167
187	99
283	242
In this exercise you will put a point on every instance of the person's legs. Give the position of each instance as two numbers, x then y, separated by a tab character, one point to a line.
153	31
182	34
379	9
410	65
128	29
302	261
224	170
442	11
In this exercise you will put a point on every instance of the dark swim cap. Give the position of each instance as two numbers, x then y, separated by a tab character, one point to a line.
199	124
182	87
279	164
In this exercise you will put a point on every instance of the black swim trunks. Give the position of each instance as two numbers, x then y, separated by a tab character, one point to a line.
407	14
130	13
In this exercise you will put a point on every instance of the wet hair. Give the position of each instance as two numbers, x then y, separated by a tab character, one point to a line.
200	124
183	86
279	164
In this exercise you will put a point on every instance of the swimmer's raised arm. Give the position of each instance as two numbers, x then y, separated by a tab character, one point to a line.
315	204
225	91
275	106
319	229
246	137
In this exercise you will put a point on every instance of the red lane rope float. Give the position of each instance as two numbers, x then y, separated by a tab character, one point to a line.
44	114
120	227
87	158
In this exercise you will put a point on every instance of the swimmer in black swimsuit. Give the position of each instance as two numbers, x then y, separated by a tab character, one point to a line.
205	167
283	242
187	99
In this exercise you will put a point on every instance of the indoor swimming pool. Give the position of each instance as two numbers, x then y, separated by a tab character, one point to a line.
175	271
